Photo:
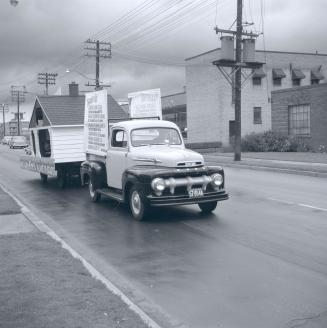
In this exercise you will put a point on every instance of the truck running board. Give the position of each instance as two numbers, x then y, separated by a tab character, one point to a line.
111	194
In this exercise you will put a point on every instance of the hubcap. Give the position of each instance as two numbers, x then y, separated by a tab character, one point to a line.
136	202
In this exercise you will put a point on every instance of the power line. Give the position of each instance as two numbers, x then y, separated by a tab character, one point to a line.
162	23
125	18
143	20
164	31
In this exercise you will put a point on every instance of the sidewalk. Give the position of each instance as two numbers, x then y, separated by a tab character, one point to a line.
310	164
42	285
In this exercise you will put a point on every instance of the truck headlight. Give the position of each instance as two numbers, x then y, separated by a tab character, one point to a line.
217	179
158	184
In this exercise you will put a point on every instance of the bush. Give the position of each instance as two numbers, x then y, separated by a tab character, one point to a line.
272	141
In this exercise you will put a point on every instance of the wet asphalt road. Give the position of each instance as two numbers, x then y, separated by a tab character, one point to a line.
260	260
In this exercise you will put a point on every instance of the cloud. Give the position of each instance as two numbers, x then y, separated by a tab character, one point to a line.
46	35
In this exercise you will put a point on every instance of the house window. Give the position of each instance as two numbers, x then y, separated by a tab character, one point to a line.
256	80
315	81
257	115
44	143
33	143
299	120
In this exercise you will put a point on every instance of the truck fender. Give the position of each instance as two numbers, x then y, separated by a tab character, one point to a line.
129	180
94	170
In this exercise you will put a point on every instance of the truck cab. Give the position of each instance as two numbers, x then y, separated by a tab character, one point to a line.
147	165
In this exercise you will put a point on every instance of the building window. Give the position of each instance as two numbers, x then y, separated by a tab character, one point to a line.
256	80
299	120
257	115
278	74
296	82
297	76
316	76
277	82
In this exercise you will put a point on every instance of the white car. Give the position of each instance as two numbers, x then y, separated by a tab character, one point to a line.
18	142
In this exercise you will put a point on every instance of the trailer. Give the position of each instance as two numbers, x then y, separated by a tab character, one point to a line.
57	136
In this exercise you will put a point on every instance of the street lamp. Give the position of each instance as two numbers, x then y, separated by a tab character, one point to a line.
68	70
86	77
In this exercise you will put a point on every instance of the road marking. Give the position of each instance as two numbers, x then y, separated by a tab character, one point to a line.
298	204
313	207
90	268
280	201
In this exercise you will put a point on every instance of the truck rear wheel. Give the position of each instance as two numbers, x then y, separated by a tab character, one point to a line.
44	178
208	207
95	196
136	204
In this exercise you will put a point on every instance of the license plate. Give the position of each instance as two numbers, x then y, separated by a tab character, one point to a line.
195	192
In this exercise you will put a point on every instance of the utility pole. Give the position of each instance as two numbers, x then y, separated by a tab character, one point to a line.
5	109
99	50
47	79
18	95
236	71
238	82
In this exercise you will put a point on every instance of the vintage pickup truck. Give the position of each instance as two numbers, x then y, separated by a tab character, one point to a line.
148	165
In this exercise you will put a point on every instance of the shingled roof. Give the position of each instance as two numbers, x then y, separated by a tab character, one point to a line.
69	110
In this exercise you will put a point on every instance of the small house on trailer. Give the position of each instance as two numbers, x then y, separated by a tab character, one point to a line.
57	135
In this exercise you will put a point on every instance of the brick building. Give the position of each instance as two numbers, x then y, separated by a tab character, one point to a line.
301	112
210	107
174	110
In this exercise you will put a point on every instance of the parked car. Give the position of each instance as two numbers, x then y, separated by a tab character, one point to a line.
5	140
18	142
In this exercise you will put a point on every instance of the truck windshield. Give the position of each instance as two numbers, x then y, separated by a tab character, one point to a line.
155	136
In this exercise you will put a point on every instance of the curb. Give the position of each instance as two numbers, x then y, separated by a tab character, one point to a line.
267	168
274	169
41	226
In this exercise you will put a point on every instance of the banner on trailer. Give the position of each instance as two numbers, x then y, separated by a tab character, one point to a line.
96	123
43	165
145	104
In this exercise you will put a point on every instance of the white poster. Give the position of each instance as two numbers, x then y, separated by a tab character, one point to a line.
96	123
145	104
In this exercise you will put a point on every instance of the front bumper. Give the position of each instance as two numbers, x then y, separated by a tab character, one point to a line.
184	199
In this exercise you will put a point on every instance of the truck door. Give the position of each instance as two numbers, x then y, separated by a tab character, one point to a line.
117	158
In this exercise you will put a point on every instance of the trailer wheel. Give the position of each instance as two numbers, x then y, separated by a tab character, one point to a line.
139	210
44	178
95	196
61	179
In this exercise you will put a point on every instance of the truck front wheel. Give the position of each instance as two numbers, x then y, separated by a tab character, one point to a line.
208	207
95	196
136	204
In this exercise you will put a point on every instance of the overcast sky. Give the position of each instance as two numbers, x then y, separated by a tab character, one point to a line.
47	36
